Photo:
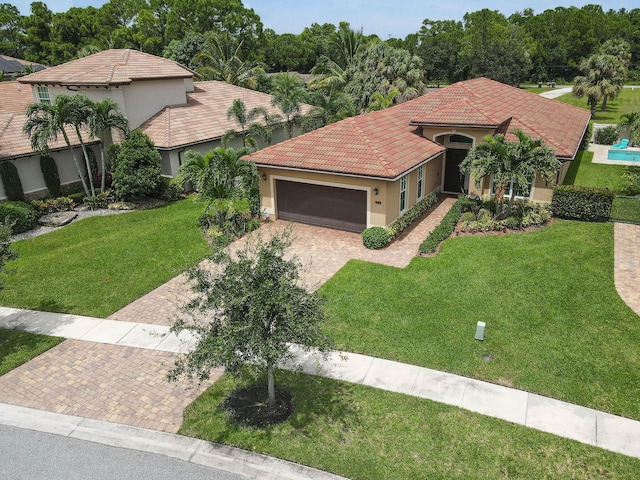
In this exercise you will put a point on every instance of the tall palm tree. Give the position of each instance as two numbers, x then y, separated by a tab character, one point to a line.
602	78
327	108
81	110
288	94
250	129
510	163
222	60
46	121
106	116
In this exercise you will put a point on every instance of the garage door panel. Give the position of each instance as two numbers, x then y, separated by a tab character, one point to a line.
332	207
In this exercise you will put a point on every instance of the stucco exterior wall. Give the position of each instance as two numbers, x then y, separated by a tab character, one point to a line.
144	99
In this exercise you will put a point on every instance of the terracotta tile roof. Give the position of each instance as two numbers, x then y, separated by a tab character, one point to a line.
110	67
14	99
378	144
204	116
560	125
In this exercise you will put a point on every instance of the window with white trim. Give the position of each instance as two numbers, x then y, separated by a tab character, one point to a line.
403	194
420	181
43	95
519	190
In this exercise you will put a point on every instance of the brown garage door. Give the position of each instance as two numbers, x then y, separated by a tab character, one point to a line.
332	207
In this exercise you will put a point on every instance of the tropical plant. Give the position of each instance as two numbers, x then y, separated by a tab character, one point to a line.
250	313
288	94
222	59
631	122
327	109
380	101
106	116
136	167
250	129
46	121
510	163
602	78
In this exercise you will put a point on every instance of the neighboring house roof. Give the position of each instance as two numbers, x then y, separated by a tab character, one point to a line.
13	105
11	65
385	143
110	67
204	116
484	102
305	77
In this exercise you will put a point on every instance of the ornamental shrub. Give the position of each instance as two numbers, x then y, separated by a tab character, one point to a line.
101	200
448	223
53	205
51	176
136	167
11	182
578	202
376	237
607	135
23	216
586	138
513	223
631	182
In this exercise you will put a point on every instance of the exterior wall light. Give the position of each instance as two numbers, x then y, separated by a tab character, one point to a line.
375	191
264	176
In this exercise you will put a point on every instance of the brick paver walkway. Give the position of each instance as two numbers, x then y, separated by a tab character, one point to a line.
627	263
104	382
322	251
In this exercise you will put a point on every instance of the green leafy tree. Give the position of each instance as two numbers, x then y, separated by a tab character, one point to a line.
602	78
11	35
136	167
37	28
250	128
185	49
105	117
288	94
327	109
440	46
510	163
46	121
250	313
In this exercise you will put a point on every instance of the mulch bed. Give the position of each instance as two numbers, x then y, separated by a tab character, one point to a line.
248	406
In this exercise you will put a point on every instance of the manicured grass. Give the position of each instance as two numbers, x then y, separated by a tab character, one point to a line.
628	101
555	322
100	264
365	433
626	210
17	348
584	172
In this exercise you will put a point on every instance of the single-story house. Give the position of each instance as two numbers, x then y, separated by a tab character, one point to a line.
157	95
370	169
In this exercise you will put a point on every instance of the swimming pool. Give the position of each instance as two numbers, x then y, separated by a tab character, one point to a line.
625	155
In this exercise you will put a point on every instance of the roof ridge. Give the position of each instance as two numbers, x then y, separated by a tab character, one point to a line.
3	127
167	126
377	153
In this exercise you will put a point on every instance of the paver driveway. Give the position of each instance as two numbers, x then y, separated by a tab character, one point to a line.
127	385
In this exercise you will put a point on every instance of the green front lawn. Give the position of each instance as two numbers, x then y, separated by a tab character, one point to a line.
365	433
555	322
628	101
17	348
100	264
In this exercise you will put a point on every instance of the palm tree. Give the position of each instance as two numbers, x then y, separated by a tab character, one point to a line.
288	94
327	108
222	60
510	163
46	121
602	78
380	101
249	128
81	110
631	121
106	116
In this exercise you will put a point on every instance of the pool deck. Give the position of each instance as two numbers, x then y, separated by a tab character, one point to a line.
600	155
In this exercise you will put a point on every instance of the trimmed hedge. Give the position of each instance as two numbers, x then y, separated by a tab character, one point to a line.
373	238
11	182
586	138
442	231
51	176
579	202
23	216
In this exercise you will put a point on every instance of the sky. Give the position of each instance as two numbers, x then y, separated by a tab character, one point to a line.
386	18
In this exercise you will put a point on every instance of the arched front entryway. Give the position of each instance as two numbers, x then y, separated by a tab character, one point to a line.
457	147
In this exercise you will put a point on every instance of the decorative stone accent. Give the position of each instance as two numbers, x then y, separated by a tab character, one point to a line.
57	219
121	206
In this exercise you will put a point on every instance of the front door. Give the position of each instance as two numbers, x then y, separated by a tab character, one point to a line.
453	179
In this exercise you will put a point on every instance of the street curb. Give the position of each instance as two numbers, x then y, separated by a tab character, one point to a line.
200	452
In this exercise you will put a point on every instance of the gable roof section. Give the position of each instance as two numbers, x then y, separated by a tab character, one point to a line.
14	99
11	65
559	125
379	144
110	67
204	116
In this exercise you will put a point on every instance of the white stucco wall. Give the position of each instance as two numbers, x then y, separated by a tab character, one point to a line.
143	100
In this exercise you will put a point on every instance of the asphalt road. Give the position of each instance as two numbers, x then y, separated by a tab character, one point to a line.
32	455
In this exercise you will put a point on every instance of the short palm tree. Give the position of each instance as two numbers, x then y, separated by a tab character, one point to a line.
327	108
106	116
250	129
46	121
510	163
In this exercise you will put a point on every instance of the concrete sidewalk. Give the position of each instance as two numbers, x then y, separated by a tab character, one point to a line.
564	419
